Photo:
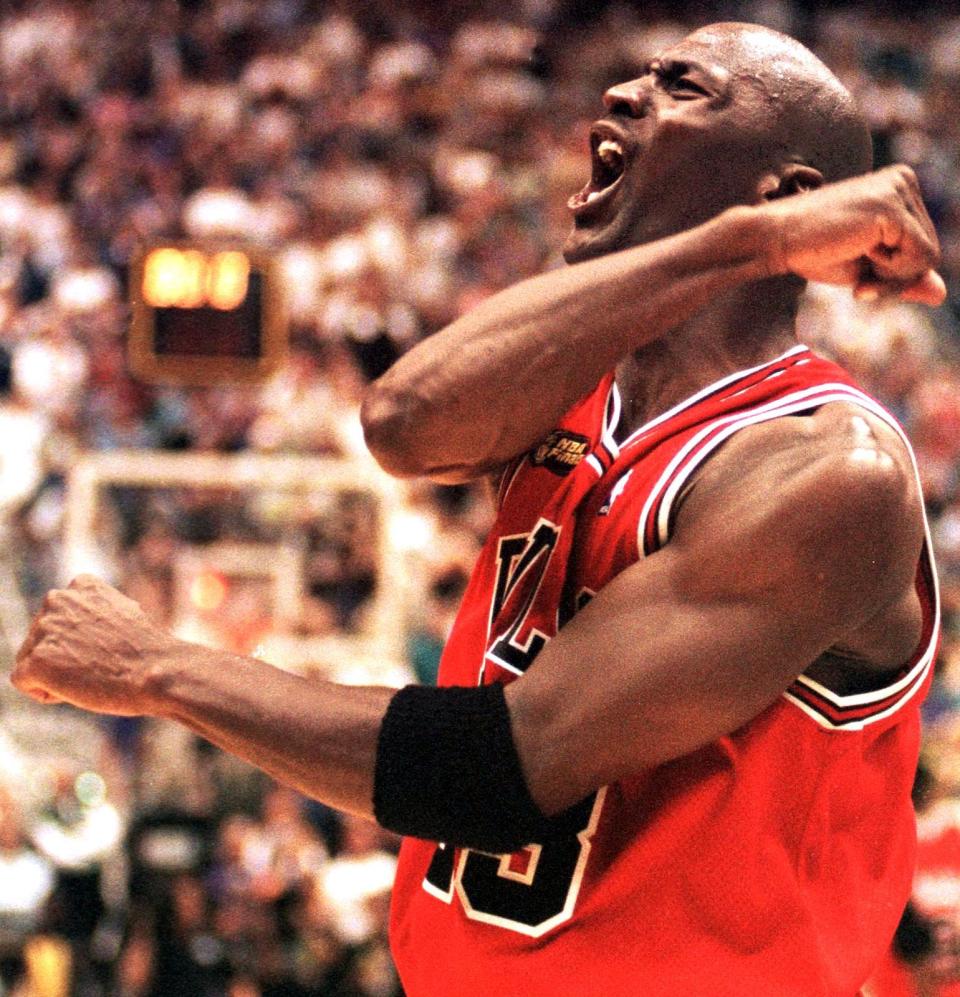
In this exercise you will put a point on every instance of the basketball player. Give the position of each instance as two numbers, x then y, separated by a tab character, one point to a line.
675	748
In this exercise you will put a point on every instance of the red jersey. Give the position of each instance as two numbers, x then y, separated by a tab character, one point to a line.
936	899
776	860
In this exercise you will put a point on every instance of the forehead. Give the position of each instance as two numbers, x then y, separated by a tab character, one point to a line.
738	46
749	63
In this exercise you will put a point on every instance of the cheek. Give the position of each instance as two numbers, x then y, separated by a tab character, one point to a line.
710	136
688	121
706	161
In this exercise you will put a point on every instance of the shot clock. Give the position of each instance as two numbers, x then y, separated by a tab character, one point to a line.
205	314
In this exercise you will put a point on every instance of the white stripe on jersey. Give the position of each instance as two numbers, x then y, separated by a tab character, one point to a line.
686	462
709	390
611	421
864	722
799	400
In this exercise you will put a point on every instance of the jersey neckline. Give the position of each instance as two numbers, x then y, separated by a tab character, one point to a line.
615	405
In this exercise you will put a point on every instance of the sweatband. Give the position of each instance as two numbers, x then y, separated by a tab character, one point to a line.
447	770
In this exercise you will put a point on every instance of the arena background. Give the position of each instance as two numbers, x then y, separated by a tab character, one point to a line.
398	162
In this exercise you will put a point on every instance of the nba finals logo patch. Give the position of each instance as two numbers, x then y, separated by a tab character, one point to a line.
560	452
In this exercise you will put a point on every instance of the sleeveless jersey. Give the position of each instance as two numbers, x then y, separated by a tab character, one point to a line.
776	860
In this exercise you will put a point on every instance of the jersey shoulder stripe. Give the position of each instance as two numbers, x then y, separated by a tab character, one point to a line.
830	710
656	519
750	376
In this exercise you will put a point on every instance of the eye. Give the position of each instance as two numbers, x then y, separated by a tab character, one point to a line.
675	78
683	88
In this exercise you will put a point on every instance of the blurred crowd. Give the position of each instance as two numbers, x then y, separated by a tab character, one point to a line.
403	162
235	888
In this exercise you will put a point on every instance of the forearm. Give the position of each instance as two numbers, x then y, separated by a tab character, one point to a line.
328	740
460	403
318	737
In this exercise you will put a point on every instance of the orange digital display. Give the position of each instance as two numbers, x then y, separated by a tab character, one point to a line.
189	278
206	313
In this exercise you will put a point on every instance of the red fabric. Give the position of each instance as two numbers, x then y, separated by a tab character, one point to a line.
776	860
935	897
892	979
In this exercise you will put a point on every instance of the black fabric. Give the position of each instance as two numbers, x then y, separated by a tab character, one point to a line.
447	770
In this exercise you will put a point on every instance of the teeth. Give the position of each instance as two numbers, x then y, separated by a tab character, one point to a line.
610	152
592	196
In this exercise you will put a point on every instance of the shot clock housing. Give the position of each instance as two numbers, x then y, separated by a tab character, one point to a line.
205	314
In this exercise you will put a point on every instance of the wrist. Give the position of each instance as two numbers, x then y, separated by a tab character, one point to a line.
165	662
760	230
754	233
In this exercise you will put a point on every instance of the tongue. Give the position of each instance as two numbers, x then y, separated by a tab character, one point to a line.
588	195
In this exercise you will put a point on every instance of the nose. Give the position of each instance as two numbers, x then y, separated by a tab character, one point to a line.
627	99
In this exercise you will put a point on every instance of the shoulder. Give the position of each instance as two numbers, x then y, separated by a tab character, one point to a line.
841	455
831	496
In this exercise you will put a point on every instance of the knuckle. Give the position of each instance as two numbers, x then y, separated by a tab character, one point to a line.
897	173
86	583
55	601
906	173
927	249
899	189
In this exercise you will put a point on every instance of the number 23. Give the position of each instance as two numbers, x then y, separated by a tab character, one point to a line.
530	891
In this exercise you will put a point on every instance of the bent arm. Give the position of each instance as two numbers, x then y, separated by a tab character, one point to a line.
487	387
467	400
764	573
679	649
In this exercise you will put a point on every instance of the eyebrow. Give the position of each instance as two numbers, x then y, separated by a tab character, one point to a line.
672	64
668	65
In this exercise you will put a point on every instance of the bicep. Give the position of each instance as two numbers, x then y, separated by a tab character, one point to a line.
646	673
696	640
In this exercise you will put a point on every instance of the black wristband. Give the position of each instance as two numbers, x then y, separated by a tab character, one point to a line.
447	770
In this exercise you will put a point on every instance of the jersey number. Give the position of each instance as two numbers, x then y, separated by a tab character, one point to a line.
536	888
525	556
530	891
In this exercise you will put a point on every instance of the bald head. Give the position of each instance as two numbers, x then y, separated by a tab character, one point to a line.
806	113
733	114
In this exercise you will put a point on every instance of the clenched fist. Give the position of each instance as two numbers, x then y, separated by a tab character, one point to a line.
93	647
871	233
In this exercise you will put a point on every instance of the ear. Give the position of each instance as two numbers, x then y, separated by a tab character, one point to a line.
794	178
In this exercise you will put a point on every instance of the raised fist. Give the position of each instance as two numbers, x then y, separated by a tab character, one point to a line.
93	647
871	233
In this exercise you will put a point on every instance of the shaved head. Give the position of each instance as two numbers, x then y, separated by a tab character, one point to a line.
811	117
733	114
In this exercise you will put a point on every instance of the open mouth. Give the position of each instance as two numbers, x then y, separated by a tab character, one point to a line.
608	163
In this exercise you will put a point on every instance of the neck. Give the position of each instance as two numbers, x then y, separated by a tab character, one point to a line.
743	329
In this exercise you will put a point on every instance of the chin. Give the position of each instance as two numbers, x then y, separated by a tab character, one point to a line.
626	229
588	243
